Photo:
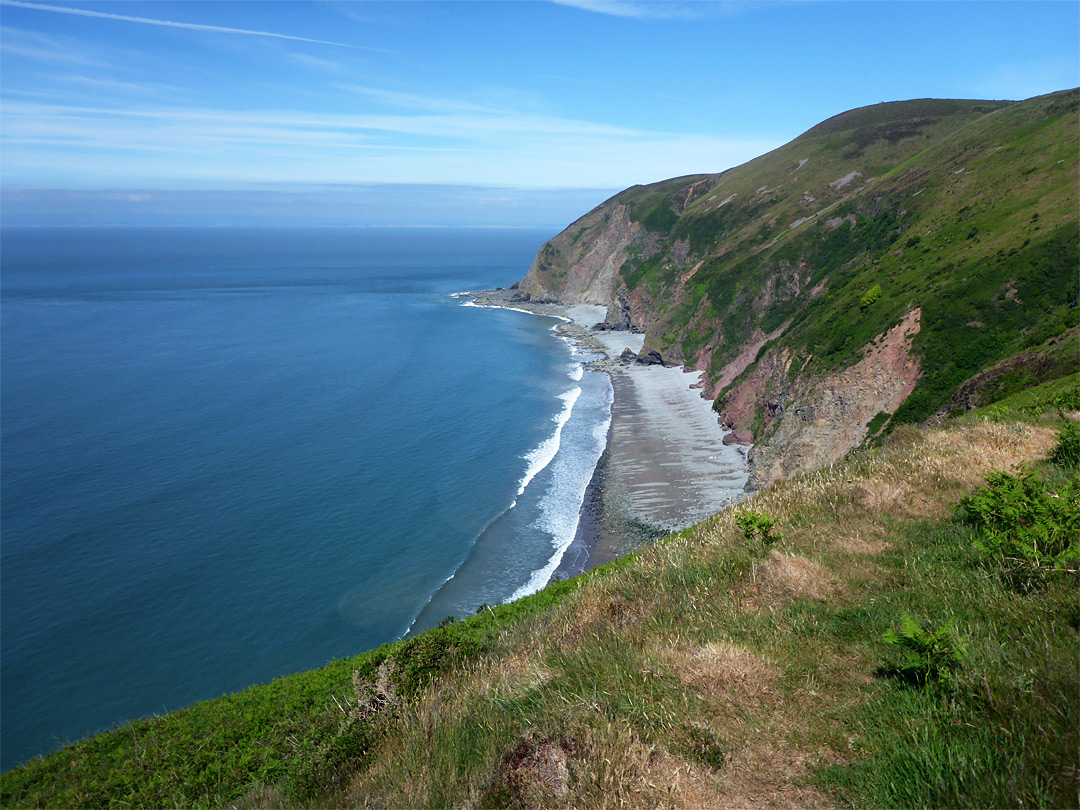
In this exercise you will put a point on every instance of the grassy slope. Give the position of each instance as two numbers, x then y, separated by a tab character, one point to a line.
712	672
707	670
966	209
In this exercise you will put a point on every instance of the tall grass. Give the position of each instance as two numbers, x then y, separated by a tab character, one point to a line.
742	662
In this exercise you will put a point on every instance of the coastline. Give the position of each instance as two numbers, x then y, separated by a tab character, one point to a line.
664	466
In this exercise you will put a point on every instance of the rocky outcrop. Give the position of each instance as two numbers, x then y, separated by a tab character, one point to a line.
621	316
581	265
823	419
742	361
650	358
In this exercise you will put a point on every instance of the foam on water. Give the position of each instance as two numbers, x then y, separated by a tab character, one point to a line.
560	507
540	457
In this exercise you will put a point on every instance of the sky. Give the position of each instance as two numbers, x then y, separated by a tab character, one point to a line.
447	113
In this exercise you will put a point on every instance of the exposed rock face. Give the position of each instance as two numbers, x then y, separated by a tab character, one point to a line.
620	317
743	360
761	393
650	358
824	419
578	270
770	276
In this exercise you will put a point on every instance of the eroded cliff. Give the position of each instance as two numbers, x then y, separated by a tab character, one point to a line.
851	280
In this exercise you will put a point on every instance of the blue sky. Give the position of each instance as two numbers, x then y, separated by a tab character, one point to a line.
505	113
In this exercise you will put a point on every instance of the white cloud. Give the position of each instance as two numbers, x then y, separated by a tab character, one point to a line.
115	86
416	102
43	48
82	145
468	125
217	29
652	9
328	65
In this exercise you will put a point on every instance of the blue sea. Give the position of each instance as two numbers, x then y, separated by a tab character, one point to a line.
233	454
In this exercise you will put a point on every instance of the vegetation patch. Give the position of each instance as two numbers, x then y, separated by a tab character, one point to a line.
1028	525
730	664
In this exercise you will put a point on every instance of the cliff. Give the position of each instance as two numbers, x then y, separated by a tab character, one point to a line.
854	278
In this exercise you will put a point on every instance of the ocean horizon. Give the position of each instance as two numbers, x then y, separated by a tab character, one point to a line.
230	454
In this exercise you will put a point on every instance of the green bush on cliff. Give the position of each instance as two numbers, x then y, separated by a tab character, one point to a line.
870	297
758	526
1067	451
1026	525
927	653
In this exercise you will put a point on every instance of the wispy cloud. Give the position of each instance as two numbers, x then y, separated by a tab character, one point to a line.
327	65
672	9
217	29
102	85
99	142
648	9
411	101
43	48
207	135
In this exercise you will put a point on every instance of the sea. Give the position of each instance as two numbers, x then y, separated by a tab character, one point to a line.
231	454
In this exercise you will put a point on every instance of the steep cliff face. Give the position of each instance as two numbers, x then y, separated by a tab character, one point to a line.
824	417
584	263
852	279
577	270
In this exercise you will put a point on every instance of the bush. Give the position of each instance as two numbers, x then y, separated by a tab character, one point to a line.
759	525
1024	526
1067	452
870	297
927	654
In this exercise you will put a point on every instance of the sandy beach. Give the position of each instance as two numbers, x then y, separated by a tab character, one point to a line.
665	466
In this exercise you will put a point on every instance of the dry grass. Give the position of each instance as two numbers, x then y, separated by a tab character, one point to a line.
722	669
520	671
260	797
861	540
771	775
787	578
604	700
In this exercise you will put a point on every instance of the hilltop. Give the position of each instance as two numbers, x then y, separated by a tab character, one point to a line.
853	279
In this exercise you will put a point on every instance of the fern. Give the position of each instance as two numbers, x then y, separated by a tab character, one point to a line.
1067	451
758	525
927	654
1023	524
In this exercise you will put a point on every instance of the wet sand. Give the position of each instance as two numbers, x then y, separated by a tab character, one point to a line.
665	466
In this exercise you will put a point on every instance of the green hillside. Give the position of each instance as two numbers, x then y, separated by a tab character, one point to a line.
964	210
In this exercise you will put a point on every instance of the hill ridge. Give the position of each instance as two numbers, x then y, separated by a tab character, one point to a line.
776	275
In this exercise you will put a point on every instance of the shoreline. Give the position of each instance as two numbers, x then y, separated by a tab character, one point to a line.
664	466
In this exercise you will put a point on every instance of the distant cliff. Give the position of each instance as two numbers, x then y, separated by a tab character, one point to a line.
851	280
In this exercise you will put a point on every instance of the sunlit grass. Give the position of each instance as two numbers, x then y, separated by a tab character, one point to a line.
710	669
